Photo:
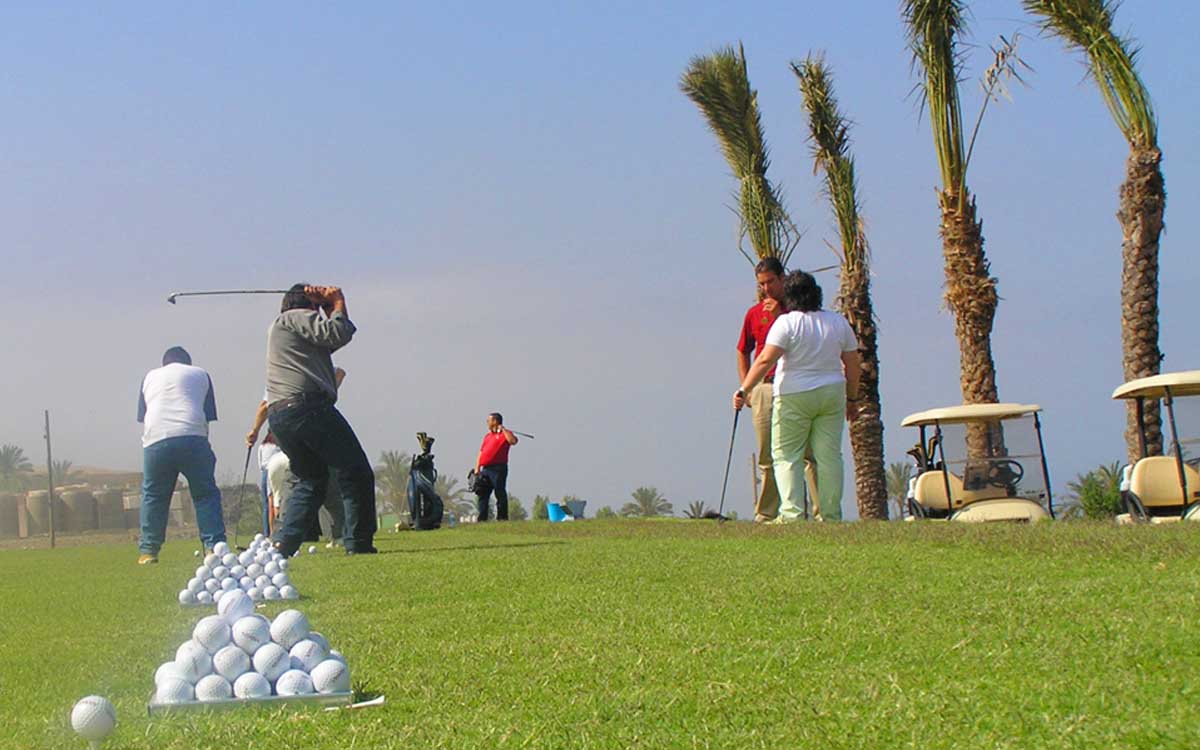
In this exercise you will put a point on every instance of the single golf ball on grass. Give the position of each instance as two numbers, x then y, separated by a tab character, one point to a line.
93	718
251	685
331	676
294	682
312	550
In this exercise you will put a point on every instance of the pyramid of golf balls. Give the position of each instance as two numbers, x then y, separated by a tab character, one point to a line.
260	571
239	654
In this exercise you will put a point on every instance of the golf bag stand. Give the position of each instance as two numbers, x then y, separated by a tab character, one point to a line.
423	502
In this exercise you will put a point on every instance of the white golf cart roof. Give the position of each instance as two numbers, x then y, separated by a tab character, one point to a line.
970	413
1185	383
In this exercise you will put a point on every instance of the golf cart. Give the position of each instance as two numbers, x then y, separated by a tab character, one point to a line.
979	462
1163	489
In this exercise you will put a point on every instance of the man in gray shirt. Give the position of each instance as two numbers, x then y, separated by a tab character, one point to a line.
301	393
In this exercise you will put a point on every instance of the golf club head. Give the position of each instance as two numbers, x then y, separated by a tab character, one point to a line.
171	297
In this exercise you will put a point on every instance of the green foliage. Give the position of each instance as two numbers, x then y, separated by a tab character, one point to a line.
719	85
695	509
454	498
1098	492
662	634
516	510
540	513
63	471
606	512
391	477
898	475
647	503
1087	26
14	466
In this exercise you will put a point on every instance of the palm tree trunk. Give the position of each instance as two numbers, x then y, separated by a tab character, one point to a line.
1142	200
971	297
866	432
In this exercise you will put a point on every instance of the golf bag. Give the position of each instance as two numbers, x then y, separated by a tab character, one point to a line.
423	501
478	483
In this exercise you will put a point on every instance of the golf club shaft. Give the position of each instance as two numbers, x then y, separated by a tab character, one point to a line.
173	295
728	462
522	434
241	490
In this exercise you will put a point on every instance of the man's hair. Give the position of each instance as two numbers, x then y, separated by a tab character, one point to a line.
769	265
176	354
801	292
296	299
497	416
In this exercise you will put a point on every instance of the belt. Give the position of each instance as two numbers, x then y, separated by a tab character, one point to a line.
300	399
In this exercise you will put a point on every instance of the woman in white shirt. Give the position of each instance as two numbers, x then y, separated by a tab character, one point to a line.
816	389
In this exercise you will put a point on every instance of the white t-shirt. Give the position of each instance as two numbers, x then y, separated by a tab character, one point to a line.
177	400
265	452
812	344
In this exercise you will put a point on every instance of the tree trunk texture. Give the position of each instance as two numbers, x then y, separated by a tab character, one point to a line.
866	432
1142	200
971	297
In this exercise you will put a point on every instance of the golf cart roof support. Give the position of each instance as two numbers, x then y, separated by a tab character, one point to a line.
1140	402
1037	426
1169	402
941	447
1184	383
964	413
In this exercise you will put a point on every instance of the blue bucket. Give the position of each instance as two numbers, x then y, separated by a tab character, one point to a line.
556	511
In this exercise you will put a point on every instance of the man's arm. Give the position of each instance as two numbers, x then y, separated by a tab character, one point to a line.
331	332
743	363
509	437
260	418
141	417
210	403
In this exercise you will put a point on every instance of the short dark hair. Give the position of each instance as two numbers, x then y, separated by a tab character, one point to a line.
176	354
801	292
769	265
296	299
497	416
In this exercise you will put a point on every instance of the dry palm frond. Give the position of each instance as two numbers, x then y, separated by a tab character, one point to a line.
719	86
829	132
1087	26
1005	68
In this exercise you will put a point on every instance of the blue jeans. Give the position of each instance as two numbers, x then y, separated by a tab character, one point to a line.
497	475
319	441
162	463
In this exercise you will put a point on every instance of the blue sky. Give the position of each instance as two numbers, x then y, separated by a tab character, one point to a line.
528	216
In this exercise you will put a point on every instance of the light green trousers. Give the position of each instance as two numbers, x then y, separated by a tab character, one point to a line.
800	422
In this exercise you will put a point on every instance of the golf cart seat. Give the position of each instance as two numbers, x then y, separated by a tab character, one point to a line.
930	492
1154	492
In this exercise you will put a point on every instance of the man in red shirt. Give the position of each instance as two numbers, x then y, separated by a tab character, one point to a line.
769	275
493	466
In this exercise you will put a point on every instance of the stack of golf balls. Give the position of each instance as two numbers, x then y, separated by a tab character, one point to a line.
260	571
239	654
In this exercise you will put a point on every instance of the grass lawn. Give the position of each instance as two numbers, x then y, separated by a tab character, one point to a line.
658	634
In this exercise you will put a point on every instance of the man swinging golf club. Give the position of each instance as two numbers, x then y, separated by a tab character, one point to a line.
301	392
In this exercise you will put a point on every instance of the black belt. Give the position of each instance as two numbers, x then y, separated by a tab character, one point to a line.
299	399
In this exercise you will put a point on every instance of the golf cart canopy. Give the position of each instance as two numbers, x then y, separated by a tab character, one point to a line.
1185	383
964	413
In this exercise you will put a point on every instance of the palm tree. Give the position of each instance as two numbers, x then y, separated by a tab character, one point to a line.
392	477
647	503
453	497
829	133
1087	26
14	465
719	86
898	475
695	509
933	29
62	471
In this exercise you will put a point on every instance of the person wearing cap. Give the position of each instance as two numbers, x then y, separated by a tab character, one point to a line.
301	393
175	405
815	358
492	465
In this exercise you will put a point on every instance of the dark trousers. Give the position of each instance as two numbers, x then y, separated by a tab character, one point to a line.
497	475
319	441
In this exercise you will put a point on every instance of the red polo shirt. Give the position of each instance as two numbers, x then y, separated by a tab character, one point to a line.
494	449
754	334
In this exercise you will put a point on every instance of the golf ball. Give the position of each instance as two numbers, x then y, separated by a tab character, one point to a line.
289	628
231	662
255	594
258	537
211	585
246	582
331	676
283	563
254	570
187	597
280	579
237	571
195	553
212	633
214	687
203	573
235	605
251	685
307	654
271	661
220	572
216	596
174	691
195	585
192	661
335	654
204	597
262	582
251	633
221	548
229	584
319	639
312	550
270	593
211	560
246	557
168	669
229	560
294	682
93	718
271	568
288	592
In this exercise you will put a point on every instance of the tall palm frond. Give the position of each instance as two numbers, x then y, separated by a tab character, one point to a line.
13	461
829	135
719	85
1087	26
647	503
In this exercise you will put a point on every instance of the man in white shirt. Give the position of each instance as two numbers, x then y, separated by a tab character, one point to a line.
175	405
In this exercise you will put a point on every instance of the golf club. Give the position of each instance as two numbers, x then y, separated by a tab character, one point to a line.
174	295
522	434
241	490
728	461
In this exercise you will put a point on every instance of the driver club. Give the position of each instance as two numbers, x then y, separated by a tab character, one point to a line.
174	295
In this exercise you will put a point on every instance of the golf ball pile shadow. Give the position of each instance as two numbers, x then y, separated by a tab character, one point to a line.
260	572
239	654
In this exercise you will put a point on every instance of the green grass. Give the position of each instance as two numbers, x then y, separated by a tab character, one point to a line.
658	634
